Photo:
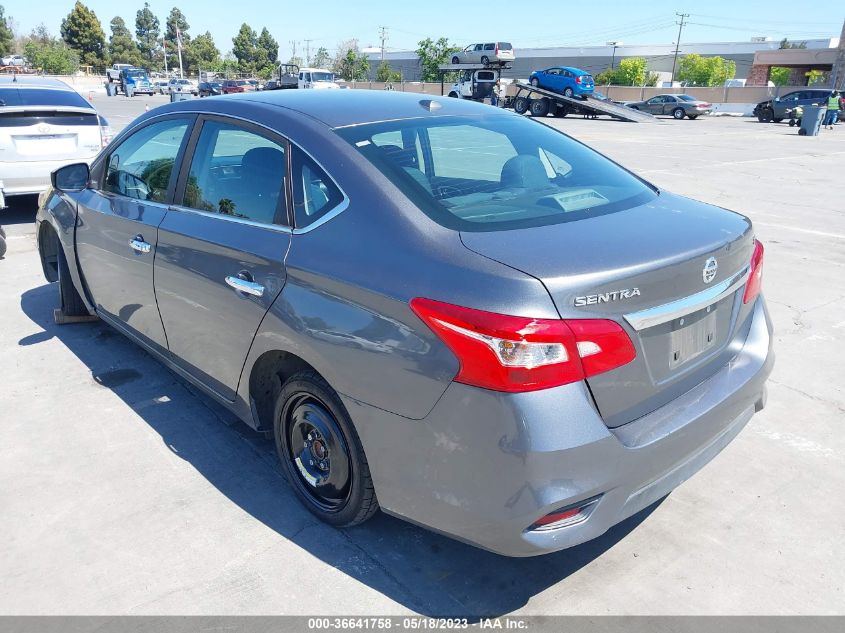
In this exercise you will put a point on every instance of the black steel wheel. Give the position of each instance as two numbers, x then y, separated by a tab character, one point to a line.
321	453
520	105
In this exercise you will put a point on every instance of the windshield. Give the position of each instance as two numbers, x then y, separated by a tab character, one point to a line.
322	77
41	97
496	173
136	73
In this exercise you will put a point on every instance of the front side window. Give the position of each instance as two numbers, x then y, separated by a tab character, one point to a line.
497	172
237	172
142	165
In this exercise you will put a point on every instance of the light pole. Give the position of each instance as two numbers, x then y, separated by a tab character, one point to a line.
613	58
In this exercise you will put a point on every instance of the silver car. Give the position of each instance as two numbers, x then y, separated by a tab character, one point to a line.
489	53
676	106
44	124
435	307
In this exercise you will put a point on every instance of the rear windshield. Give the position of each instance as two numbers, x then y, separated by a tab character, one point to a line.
496	173
505	46
686	98
41	97
34	117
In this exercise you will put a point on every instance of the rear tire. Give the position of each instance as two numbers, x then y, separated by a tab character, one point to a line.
568	92
692	117
678	114
520	105
456	60
321	453
539	107
71	302
453	95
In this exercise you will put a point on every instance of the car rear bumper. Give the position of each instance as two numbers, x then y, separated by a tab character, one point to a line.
484	466
25	177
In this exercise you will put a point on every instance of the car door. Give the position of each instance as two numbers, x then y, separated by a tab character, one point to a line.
117	224
222	247
668	105
653	105
550	79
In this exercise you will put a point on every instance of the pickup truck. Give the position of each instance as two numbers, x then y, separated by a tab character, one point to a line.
113	73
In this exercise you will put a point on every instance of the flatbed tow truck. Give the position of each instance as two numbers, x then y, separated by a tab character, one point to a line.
540	102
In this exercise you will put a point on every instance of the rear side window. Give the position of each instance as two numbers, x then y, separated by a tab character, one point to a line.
237	172
142	165
489	47
41	96
486	75
314	193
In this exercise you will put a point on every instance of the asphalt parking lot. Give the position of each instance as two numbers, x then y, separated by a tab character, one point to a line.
124	491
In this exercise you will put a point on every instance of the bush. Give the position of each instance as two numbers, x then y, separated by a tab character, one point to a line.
52	57
631	71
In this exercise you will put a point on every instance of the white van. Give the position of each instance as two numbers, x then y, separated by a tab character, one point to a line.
316	78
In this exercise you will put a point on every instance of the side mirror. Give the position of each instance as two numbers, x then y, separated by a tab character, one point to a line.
71	177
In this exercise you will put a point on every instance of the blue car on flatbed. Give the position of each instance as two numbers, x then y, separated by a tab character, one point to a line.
565	80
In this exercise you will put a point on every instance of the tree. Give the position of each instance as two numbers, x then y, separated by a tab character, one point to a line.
245	48
785	43
779	75
386	73
41	34
696	70
432	54
53	57
321	58
350	63
7	37
267	43
204	54
631	71
148	32
82	32
176	22
122	48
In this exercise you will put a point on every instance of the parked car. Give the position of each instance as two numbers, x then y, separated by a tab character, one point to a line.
565	80
777	109
183	86
256	85
210	88
676	106
488	53
45	124
236	85
161	86
376	279
13	60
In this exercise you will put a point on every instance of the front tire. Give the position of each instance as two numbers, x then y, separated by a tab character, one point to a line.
678	114
71	302
520	105
485	60
321	453
535	82
2	246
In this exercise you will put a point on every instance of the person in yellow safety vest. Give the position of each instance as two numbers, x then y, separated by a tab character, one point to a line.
832	110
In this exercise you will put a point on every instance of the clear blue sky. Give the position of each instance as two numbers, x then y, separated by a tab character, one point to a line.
525	24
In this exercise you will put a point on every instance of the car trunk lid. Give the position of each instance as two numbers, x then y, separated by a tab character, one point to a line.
37	133
645	268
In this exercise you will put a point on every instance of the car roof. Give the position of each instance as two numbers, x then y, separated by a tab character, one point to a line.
32	81
345	107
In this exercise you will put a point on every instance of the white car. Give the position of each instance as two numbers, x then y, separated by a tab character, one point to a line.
13	60
45	125
161	86
183	85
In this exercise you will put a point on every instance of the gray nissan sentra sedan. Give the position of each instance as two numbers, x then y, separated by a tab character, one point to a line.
437	308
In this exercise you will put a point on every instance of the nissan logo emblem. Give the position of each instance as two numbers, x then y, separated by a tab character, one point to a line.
710	268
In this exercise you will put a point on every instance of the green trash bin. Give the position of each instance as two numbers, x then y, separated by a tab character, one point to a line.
811	120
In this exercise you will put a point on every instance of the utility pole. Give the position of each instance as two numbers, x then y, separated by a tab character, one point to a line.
678	43
308	52
293	46
615	45
383	36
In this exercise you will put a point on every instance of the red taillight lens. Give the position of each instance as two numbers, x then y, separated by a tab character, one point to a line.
578	80
564	517
755	279
514	354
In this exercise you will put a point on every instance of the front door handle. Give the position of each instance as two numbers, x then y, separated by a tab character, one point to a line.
138	244
243	283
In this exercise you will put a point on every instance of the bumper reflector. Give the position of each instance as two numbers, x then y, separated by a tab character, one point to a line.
564	517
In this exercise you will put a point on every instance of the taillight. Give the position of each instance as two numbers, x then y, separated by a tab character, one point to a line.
579	79
564	517
105	132
496	51
755	279
515	354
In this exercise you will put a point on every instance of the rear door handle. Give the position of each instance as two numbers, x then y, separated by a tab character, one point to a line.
138	244
243	283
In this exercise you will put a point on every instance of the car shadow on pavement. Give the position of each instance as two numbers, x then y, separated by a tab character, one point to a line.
423	571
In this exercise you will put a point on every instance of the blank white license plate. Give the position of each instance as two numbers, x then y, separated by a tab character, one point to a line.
692	340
